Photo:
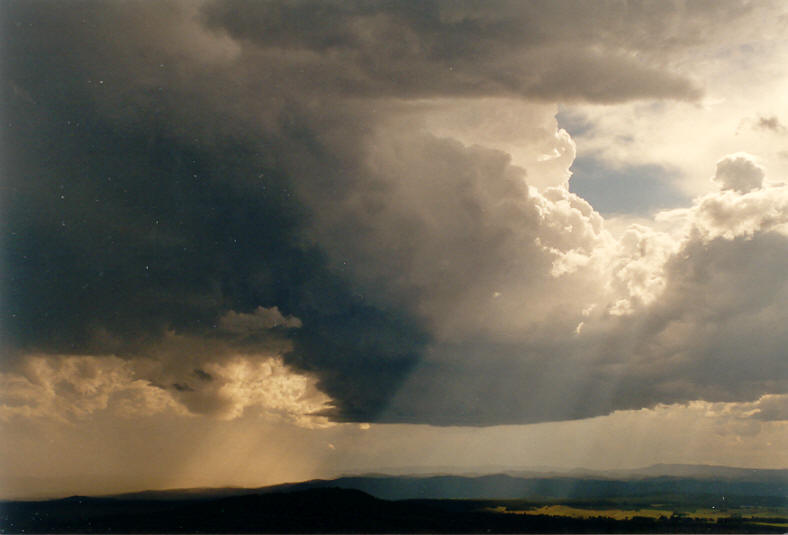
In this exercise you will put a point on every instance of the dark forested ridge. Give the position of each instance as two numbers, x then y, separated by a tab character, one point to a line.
324	510
735	500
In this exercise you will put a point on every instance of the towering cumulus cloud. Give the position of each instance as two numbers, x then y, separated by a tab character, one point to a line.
354	211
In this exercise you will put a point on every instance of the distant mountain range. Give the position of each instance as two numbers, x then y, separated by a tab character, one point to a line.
654	480
672	470
700	471
50	488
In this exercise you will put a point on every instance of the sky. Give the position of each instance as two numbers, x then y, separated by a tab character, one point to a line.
249	242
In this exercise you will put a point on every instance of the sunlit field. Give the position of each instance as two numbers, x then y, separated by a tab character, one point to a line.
767	516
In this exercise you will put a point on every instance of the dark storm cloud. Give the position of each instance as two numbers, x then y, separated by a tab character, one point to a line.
188	183
120	226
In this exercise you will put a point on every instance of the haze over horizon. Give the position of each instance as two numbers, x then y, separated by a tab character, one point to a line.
249	242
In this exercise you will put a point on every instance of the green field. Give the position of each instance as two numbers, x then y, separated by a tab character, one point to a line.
576	512
761	515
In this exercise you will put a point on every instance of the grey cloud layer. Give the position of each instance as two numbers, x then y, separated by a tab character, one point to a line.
190	183
465	48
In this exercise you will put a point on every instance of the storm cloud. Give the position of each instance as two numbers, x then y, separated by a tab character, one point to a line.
221	186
